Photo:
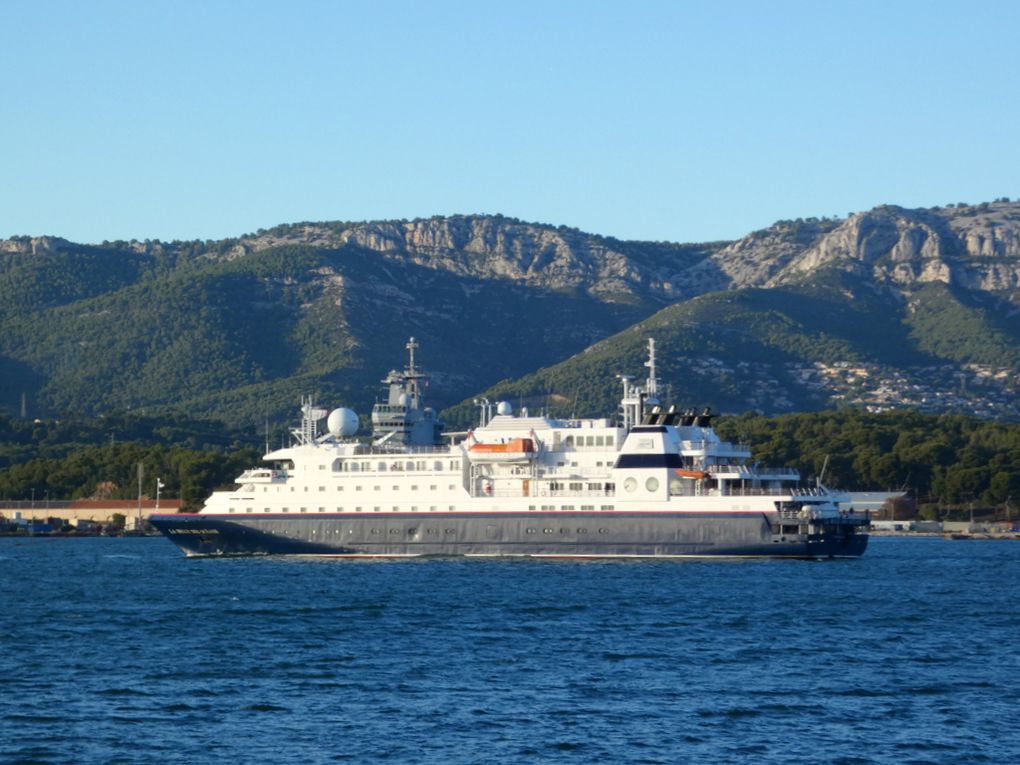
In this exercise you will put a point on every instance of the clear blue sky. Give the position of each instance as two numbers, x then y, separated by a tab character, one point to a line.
678	121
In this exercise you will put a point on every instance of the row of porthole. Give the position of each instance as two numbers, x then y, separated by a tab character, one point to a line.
652	484
563	531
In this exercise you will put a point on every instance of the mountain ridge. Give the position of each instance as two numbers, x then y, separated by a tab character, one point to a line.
238	327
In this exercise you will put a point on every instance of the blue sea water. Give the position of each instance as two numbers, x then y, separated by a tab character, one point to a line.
123	651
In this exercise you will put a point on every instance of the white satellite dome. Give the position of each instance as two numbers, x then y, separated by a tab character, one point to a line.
504	407
342	422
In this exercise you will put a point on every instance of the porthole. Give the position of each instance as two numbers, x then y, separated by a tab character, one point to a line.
630	484
603	531
531	531
547	531
375	531
450	531
394	531
652	484
582	531
564	531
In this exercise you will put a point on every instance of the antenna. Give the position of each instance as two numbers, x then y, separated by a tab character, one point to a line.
652	385
411	345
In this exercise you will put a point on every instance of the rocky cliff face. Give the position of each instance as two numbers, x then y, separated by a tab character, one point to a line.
33	245
977	248
494	247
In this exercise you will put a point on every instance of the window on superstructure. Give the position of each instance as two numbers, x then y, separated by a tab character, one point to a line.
587	507
354	467
609	440
600	440
414	488
409	465
432	508
437	465
433	487
589	441
576	486
322	488
568	441
382	467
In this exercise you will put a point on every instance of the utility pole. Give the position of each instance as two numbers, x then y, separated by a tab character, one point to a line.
159	485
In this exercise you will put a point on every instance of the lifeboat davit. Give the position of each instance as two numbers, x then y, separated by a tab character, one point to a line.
514	450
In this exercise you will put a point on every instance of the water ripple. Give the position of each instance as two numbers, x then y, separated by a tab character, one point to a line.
126	652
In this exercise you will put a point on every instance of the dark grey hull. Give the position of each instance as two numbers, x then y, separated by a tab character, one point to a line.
571	534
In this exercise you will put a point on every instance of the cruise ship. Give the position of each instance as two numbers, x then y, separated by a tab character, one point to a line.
652	482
